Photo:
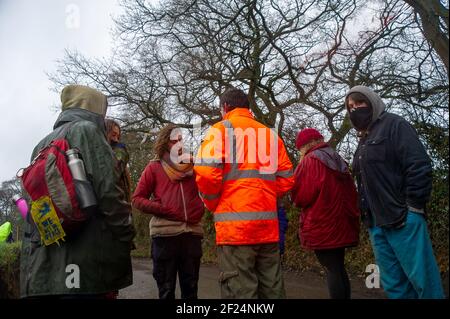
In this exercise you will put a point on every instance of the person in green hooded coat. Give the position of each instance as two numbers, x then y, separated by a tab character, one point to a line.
97	260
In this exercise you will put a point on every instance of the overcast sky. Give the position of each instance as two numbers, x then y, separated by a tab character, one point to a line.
33	35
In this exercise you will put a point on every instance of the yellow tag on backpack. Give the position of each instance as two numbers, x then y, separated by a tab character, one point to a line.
47	221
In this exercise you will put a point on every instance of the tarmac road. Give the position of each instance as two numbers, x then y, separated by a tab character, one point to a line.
307	285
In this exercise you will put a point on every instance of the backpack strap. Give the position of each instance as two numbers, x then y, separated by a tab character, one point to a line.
62	134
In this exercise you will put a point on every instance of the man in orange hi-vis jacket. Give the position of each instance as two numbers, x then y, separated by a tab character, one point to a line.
241	169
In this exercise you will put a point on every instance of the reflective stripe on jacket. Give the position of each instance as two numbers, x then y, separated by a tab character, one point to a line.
241	168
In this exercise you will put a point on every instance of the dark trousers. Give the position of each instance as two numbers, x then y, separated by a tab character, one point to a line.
333	262
177	255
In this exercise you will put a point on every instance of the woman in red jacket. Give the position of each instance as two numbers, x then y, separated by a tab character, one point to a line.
168	191
329	219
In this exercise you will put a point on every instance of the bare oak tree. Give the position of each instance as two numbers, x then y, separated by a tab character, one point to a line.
296	59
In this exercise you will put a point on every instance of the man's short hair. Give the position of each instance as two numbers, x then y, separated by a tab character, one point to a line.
234	98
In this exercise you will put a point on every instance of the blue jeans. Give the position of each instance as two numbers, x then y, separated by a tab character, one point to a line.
408	268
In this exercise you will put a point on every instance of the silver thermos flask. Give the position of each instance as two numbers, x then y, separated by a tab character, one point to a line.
76	165
83	188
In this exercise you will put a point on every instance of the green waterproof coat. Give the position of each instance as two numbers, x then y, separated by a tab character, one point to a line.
101	251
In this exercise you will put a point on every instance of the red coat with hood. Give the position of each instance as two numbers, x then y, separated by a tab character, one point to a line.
326	193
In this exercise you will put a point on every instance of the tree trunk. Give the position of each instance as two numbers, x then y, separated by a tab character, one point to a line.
430	11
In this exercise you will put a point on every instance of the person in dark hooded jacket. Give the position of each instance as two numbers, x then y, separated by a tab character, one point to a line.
329	219
393	173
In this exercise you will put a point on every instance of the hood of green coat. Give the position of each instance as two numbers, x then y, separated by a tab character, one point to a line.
83	97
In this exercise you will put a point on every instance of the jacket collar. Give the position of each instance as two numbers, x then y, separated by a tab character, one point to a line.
315	147
239	111
76	114
365	133
324	153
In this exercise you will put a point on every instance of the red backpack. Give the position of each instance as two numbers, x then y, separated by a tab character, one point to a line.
48	181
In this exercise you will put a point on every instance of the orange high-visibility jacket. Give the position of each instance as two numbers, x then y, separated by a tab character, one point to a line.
241	168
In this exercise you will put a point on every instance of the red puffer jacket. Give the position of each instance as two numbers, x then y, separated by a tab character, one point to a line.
325	191
177	201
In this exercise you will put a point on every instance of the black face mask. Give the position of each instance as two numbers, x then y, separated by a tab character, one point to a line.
361	117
